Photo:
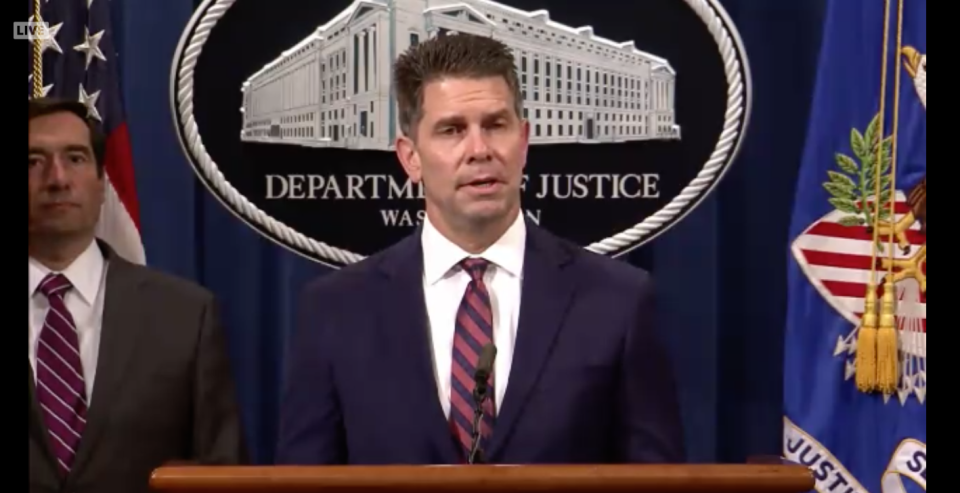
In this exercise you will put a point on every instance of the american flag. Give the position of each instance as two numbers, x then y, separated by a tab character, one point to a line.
79	61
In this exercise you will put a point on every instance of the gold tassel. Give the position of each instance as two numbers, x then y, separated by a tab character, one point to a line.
866	359
888	361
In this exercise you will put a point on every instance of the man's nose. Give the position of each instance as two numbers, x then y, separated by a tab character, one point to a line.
477	145
56	172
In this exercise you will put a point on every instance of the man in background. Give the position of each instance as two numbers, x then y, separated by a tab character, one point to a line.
382	367
128	366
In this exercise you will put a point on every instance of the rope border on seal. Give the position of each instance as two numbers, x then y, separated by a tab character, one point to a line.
735	122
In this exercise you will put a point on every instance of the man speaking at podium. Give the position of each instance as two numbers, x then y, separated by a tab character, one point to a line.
383	365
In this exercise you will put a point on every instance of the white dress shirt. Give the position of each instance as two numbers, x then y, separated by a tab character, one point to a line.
84	300
444	284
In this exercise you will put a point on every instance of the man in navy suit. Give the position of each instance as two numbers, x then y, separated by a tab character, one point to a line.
381	368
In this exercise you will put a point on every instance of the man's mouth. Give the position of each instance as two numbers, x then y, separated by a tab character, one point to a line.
58	205
483	183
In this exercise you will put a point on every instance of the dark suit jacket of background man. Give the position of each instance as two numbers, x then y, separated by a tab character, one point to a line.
163	389
589	383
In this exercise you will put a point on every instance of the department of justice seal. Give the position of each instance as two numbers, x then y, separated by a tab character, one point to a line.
287	113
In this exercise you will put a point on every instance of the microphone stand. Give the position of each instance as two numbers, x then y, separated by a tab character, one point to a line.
480	392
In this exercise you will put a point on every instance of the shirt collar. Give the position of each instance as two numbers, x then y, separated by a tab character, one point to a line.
85	273
440	255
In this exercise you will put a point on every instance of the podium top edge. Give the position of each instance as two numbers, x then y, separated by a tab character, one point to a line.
425	478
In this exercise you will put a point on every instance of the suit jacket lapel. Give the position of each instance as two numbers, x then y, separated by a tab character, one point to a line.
122	321
545	297
403	325
38	429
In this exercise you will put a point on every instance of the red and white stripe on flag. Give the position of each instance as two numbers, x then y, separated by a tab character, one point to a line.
120	216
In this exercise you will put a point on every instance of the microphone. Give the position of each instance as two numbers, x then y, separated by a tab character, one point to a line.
481	393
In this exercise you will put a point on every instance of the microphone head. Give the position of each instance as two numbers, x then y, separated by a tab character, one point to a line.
484	368
485	364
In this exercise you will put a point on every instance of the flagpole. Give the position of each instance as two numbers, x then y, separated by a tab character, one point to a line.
37	55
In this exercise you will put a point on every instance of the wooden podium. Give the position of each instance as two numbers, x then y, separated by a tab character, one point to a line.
746	478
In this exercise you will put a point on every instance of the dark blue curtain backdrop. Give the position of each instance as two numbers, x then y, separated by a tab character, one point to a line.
721	271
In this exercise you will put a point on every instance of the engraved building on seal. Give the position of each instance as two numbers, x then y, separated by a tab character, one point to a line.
334	88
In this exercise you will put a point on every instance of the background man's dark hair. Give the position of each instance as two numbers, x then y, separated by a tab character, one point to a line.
48	106
459	55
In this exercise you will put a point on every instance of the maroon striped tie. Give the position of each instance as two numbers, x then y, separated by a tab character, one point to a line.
60	388
474	329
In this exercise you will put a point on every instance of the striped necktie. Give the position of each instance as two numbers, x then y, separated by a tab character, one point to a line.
60	389
474	329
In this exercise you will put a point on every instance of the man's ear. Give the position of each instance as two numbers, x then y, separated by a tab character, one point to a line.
409	158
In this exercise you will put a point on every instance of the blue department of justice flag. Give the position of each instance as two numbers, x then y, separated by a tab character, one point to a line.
855	355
